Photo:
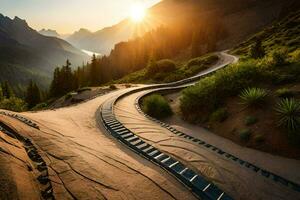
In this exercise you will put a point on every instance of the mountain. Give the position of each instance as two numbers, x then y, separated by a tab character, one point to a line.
104	40
241	18
49	32
25	54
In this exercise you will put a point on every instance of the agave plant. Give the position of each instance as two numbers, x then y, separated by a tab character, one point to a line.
288	111
253	96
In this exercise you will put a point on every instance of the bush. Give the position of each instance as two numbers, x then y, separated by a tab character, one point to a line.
250	120
288	111
279	57
162	66
219	115
156	106
245	134
112	87
296	55
13	104
259	138
40	106
166	66
284	93
253	97
257	50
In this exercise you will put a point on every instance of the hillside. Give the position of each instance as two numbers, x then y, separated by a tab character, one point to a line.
256	102
284	33
240	18
25	54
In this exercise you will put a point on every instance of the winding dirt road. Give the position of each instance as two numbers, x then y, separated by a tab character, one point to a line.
85	162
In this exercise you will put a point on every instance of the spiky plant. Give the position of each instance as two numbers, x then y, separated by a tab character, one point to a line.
288	111
253	96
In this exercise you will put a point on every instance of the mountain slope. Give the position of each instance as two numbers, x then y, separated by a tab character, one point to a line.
241	18
26	54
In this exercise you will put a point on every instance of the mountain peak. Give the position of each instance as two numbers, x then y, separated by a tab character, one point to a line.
20	21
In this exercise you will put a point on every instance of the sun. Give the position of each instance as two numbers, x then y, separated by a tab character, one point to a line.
137	12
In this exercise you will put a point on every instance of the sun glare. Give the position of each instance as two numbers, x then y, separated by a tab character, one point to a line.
137	13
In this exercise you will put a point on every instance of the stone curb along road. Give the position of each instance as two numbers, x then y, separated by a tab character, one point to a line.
200	187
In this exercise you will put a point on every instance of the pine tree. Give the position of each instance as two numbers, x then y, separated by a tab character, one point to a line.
257	50
33	95
7	92
94	71
55	87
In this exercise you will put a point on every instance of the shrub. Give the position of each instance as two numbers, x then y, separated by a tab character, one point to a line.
112	87
257	50
245	134
288	111
284	93
156	106
13	104
219	115
253	96
40	106
259	138
296	55
166	66
279	57
250	120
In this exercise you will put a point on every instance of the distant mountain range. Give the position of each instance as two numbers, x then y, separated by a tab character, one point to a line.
25	54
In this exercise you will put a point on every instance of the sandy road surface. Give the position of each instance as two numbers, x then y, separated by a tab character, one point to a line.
86	163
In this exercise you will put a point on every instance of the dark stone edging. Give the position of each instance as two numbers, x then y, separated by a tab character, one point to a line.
21	118
200	187
265	173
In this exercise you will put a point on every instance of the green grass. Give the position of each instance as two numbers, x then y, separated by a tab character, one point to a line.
156	106
253	97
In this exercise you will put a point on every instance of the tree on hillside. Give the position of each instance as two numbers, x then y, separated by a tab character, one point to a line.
94	72
33	95
257	50
7	91
152	67
55	89
63	81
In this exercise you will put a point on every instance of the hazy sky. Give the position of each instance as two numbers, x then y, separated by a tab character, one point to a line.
67	16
